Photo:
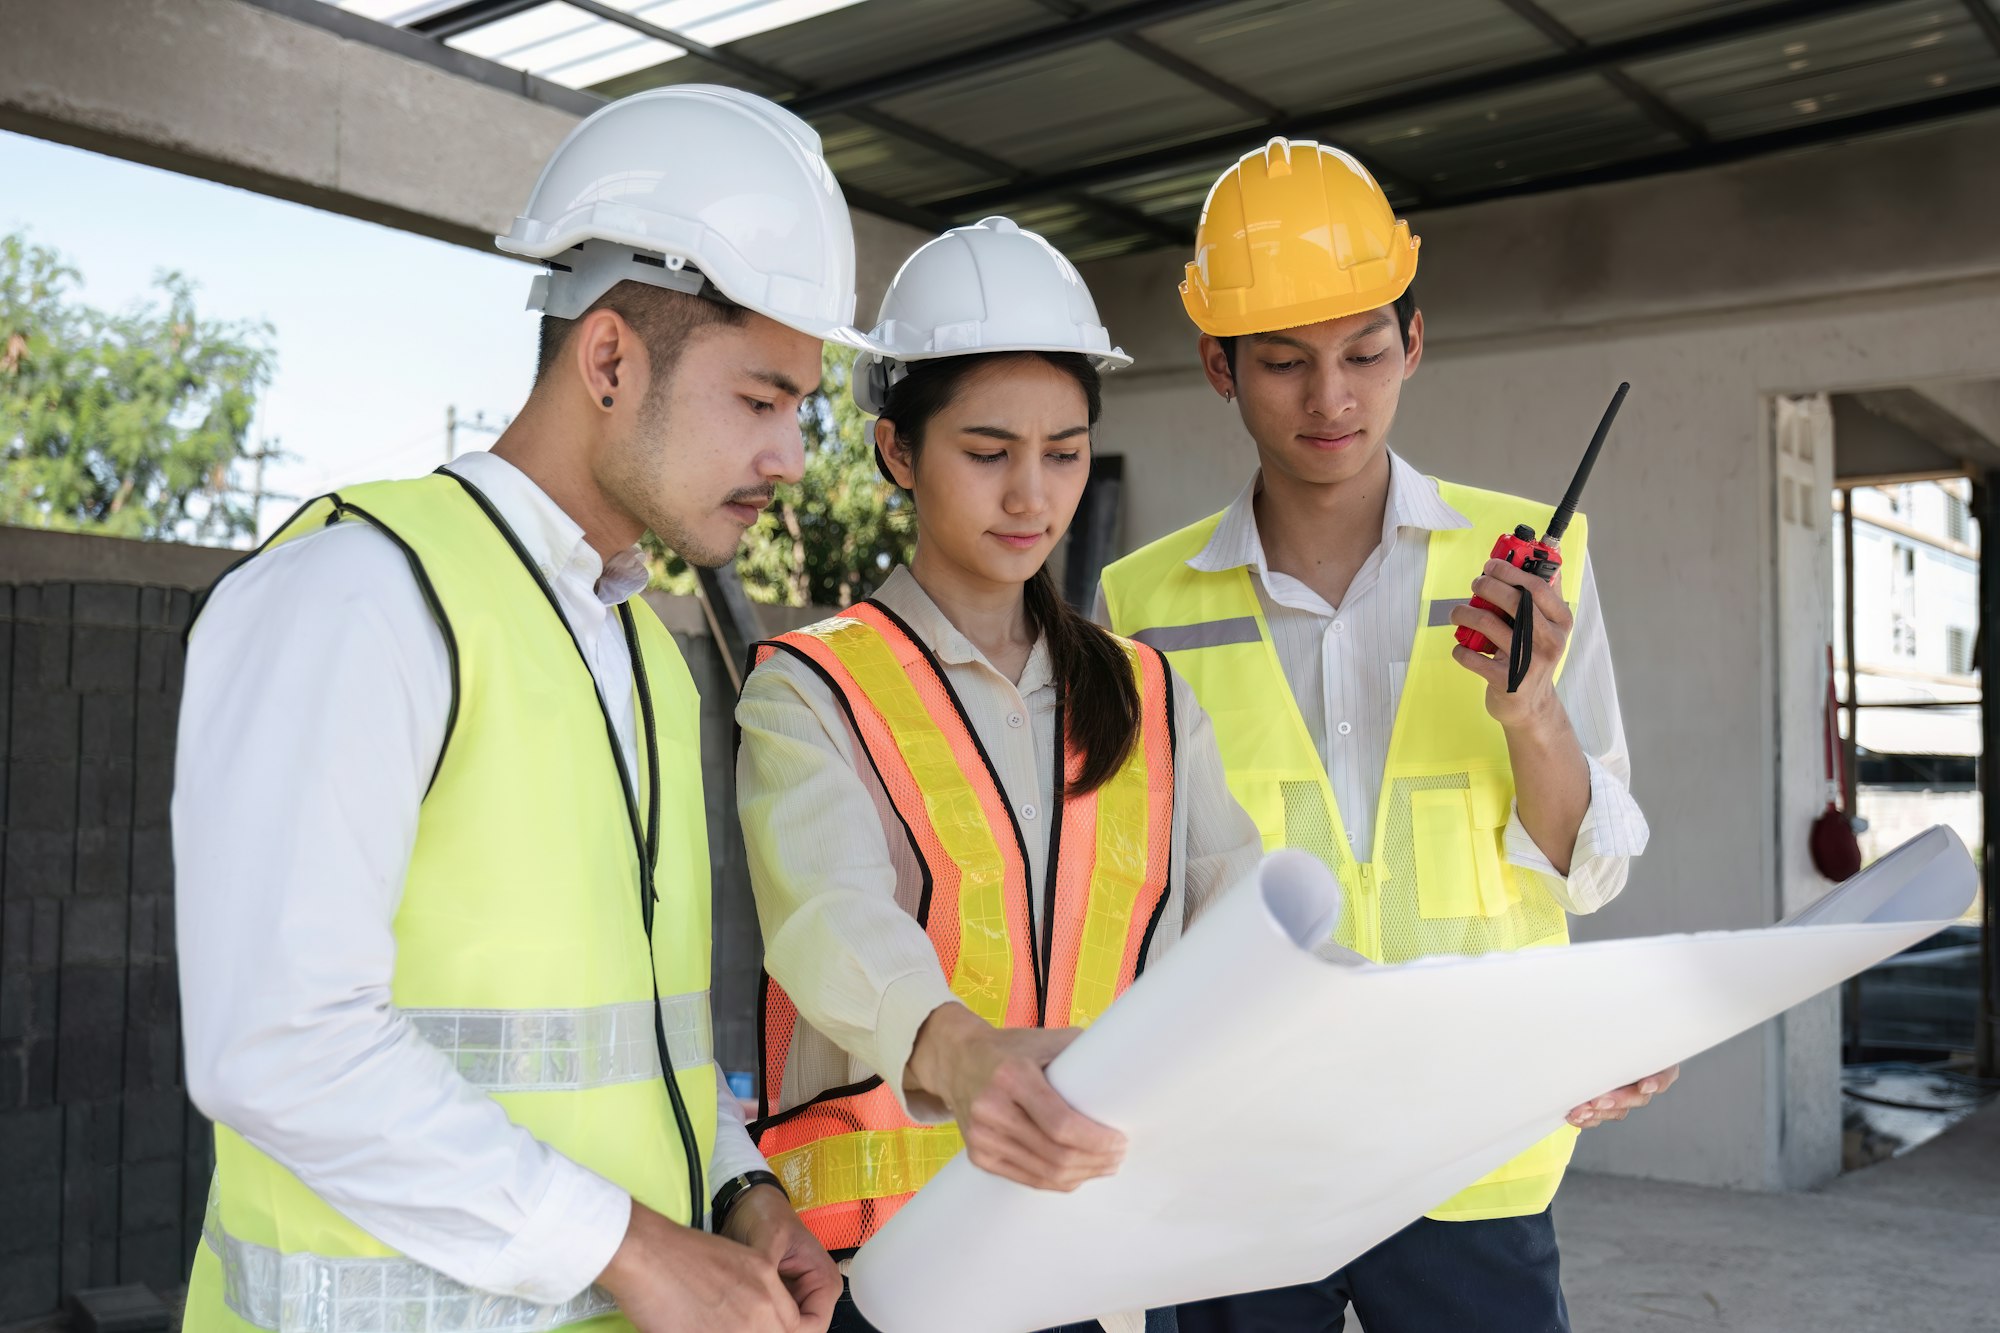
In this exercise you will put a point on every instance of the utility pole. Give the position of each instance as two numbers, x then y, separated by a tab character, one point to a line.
477	421
267	451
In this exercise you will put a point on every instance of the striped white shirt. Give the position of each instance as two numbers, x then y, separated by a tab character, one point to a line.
1346	666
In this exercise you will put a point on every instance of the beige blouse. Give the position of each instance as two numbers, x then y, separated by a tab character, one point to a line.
837	882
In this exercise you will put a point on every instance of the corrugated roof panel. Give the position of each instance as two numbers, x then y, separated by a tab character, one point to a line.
1072	106
719	22
1608	20
883	163
583	50
884	35
686	69
382	11
1481	143
1077	231
1176	195
565	44
1309	53
1829	68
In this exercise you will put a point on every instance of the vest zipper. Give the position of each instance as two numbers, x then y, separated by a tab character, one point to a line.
1044	949
1368	925
645	837
649	894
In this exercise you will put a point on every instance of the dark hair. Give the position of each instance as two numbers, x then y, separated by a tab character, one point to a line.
1094	677
1405	307
663	319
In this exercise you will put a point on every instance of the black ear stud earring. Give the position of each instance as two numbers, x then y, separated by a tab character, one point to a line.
607	400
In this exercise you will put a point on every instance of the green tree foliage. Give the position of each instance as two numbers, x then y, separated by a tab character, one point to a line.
128	424
835	536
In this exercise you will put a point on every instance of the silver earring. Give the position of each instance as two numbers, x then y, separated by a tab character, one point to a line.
1229	395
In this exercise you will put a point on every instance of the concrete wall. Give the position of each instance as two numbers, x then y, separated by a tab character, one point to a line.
295	99
1870	265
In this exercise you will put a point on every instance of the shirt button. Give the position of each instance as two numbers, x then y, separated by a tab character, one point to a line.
1346	727
1015	719
1338	627
1027	812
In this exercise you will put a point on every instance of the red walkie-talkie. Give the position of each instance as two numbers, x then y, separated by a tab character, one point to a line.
1541	557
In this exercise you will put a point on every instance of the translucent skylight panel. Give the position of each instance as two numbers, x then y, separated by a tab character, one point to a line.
568	45
512	40
719	22
564	44
384	11
638	55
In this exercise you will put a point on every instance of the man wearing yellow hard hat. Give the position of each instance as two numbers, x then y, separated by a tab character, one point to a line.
1316	619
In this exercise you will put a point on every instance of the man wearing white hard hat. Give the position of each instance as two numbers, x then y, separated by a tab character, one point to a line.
443	878
972	816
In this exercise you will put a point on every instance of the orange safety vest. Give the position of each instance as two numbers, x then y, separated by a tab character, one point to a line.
850	1157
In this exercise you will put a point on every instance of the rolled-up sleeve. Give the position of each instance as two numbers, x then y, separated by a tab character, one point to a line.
1614	829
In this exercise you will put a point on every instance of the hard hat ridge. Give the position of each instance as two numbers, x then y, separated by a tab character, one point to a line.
988	287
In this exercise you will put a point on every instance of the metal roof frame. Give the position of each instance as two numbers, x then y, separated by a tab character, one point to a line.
1082	186
1583	59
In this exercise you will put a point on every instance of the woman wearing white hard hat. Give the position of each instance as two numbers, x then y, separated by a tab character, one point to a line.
973	817
442	874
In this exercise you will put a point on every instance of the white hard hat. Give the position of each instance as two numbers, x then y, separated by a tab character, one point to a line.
694	188
989	287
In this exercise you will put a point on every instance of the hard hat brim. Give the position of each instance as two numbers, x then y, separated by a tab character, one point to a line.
1218	325
825	330
842	334
868	394
1112	359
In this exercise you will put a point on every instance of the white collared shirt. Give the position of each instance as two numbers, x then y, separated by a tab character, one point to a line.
314	708
838	892
1346	667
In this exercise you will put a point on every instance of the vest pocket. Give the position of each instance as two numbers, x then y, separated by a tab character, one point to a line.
1457	854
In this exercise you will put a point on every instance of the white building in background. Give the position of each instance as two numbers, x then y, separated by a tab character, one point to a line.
1916	626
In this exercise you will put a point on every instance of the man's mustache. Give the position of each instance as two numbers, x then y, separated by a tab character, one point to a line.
755	498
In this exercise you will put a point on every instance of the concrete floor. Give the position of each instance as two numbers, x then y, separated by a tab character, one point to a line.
1911	1245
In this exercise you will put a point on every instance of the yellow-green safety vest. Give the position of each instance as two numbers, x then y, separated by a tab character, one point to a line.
521	945
1436	880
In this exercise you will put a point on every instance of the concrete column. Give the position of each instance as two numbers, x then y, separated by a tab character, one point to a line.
1806	1040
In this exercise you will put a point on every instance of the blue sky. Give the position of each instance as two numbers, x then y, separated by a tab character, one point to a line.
377	331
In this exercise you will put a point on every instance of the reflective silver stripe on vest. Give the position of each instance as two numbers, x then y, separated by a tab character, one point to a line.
309	1293
1207	634
1441	611
567	1050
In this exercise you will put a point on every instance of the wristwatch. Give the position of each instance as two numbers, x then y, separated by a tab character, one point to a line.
734	1189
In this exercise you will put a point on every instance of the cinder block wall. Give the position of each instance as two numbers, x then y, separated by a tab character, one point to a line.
104	1165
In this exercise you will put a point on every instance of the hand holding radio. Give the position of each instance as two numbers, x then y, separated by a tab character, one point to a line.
1512	699
1540	558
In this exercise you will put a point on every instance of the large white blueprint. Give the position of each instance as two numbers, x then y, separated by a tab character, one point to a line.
1390	1089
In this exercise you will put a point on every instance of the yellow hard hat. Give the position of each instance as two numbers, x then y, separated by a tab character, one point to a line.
1295	233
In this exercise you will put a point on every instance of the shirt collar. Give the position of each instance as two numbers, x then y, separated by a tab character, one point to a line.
553	539
901	593
1414	502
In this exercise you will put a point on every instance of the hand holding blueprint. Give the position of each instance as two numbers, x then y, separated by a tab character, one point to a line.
1368	1125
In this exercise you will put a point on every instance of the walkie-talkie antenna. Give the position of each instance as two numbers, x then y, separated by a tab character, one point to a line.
1566	511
